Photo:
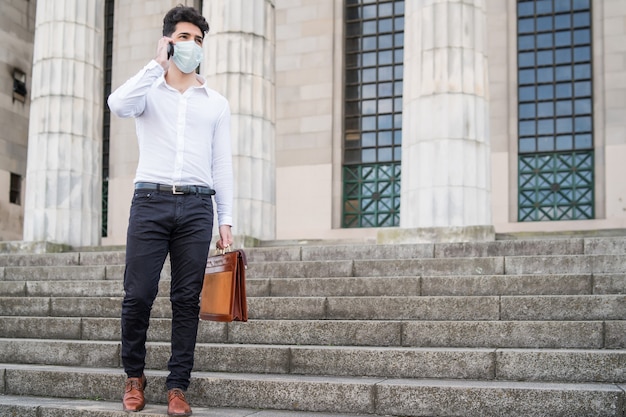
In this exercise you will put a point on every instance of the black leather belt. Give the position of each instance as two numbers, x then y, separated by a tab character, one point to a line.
174	189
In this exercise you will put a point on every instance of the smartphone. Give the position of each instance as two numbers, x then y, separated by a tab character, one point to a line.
170	50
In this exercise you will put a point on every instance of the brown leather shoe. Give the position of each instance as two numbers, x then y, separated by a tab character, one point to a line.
133	394
177	404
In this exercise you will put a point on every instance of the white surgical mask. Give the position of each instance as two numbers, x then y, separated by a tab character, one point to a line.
187	56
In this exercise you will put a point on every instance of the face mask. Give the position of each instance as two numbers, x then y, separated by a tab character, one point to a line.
187	56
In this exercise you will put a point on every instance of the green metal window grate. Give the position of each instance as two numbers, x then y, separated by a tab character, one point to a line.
371	195
555	109
557	186
374	59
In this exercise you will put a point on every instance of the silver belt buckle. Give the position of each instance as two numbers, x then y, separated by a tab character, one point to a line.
174	191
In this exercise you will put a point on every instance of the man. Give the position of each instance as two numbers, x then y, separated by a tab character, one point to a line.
183	131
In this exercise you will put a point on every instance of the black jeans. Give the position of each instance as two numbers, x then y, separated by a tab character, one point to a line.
159	223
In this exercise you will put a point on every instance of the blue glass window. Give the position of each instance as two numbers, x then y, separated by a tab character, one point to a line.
554	72
374	62
545	109
555	110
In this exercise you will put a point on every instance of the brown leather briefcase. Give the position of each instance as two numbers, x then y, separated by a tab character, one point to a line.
223	296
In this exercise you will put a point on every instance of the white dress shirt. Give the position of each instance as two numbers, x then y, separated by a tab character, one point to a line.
184	138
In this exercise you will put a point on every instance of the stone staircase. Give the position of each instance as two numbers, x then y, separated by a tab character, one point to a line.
505	328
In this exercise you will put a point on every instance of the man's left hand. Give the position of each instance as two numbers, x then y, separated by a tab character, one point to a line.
226	237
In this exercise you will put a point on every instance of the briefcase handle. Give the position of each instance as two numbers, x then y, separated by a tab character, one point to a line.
222	251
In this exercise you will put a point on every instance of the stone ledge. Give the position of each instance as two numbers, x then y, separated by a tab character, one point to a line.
437	235
15	247
563	234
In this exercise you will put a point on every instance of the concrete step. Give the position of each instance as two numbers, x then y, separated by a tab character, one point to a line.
65	288
541	307
579	307
509	265
610	334
14	405
54	273
282	269
501	328
68	273
327	394
444	285
358	286
528	247
40	259
377	268
562	365
468	285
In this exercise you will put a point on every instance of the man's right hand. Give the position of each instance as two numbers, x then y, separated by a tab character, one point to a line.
161	55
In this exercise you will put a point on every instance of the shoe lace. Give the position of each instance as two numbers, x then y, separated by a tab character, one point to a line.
177	393
133	383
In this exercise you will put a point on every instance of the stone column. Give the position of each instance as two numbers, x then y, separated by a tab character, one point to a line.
445	149
63	179
239	63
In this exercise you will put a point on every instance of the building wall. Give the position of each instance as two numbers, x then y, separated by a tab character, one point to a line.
502	126
309	107
609	92
309	94
17	28
610	61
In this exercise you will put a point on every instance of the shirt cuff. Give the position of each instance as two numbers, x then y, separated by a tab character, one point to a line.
227	220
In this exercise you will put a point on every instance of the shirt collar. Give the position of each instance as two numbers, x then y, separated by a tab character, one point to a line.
204	86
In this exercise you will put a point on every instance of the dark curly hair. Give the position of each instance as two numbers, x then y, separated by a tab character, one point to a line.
182	13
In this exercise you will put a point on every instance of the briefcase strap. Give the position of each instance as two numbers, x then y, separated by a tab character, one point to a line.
243	257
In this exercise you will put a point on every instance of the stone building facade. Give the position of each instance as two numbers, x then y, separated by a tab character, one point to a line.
17	26
401	121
